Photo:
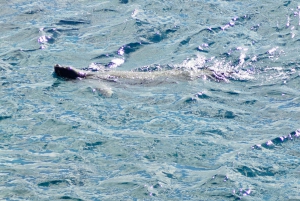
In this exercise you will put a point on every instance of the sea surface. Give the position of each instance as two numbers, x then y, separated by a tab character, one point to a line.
167	139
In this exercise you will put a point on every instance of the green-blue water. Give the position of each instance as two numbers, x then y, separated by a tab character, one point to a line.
167	140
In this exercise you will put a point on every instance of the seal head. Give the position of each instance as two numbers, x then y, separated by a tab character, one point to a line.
68	72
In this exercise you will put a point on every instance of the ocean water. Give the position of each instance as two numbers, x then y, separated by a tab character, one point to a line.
171	139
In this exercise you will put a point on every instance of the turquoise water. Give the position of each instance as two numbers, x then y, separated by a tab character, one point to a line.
165	140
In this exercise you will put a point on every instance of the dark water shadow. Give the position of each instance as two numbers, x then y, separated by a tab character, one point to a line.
73	22
65	197
123	1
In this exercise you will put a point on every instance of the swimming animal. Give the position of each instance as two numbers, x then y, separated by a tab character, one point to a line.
135	77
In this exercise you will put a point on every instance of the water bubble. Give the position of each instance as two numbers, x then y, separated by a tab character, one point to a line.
42	39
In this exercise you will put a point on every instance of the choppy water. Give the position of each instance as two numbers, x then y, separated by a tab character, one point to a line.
180	140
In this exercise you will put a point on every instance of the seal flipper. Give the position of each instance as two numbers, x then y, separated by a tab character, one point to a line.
105	90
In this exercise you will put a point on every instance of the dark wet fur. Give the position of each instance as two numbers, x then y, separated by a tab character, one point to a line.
68	72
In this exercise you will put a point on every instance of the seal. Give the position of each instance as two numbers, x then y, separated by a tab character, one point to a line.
73	73
134	78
